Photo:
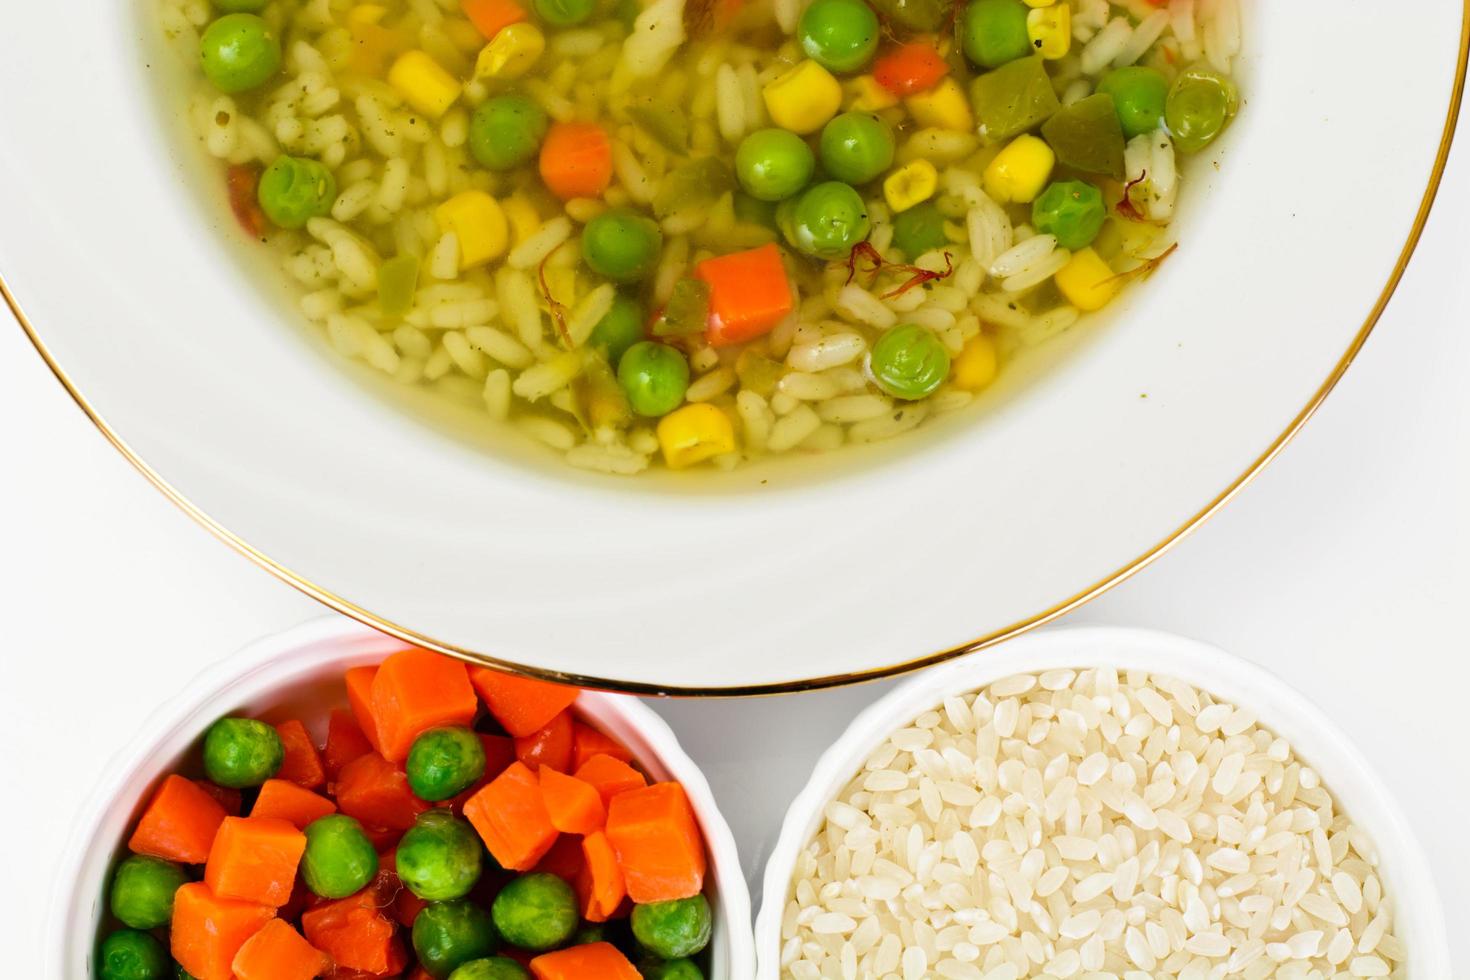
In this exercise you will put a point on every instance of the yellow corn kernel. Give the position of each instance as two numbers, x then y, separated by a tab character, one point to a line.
1050	30
913	183
423	83
1020	171
512	52
695	433
478	222
523	217
803	98
366	13
1041	3
869	96
942	107
1087	281
976	365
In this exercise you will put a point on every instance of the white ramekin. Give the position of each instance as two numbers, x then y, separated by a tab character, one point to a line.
1420	920
300	670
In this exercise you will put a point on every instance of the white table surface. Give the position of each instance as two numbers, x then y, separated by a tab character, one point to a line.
1344	568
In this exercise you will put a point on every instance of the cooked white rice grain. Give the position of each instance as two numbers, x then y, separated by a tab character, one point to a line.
540	380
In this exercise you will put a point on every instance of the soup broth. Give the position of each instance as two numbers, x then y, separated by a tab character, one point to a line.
692	233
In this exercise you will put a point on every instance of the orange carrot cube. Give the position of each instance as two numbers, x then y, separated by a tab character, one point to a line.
254	859
576	160
564	859
292	803
416	690
609	776
599	884
278	952
376	793
490	17
748	294
573	806
359	682
550	745
594	961
345	742
357	933
207	931
511	818
521	704
179	823
303	763
588	741
656	838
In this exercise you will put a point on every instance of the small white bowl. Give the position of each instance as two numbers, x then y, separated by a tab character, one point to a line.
1282	709
300	670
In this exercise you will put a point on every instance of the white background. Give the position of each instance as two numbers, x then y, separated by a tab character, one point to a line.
1343	568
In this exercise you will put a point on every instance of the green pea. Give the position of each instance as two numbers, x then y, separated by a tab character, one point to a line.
919	229
654	376
239	52
494	968
293	190
339	858
826	221
680	969
143	891
564	13
506	131
1200	104
909	362
622	245
841	35
128	954
447	935
993	32
537	911
856	147
620	328
1138	94
675	929
1072	210
242	752
439	856
444	762
773	164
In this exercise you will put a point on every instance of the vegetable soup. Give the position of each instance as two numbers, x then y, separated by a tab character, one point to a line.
691	233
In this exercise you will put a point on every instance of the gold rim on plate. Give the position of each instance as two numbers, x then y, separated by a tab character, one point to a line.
368	618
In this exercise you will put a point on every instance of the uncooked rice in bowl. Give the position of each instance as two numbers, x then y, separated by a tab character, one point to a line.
1087	824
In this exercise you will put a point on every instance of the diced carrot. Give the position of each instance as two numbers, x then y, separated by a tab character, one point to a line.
492	16
357	934
749	294
278	952
207	931
179	824
910	68
416	690
345	742
360	696
376	792
573	806
292	803
588	741
609	776
500	751
658	844
242	181
548	746
594	961
564	859
521	704
255	859
230	799
419	973
600	883
576	160
301	897
511	818
303	763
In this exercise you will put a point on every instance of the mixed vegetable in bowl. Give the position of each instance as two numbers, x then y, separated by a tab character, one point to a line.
456	823
704	231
